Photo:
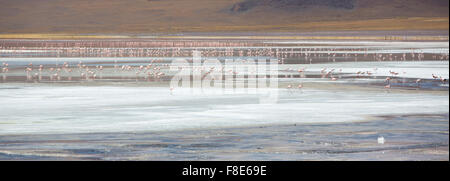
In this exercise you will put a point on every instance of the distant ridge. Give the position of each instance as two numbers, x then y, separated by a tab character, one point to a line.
148	17
293	4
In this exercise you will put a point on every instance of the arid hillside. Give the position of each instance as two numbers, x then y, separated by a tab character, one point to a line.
178	16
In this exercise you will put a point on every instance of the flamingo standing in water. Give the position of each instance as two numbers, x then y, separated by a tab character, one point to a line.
388	80
418	82
36	76
28	70
41	68
393	73
443	80
69	71
289	88
4	70
300	87
302	72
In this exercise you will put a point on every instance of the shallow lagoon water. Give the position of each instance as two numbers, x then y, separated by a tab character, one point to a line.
128	118
31	109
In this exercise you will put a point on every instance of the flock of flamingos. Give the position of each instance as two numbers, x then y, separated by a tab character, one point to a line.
156	69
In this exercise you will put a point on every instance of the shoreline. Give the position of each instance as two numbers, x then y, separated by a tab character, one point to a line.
327	141
366	119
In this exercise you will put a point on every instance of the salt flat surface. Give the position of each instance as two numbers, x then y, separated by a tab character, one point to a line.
82	109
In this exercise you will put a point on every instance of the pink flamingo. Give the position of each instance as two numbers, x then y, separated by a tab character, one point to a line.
418	82
442	79
388	80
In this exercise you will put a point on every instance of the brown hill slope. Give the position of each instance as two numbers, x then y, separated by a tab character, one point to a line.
173	16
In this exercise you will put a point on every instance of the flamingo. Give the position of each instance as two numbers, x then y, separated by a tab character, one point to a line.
442	79
5	68
388	80
28	70
418	82
393	73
